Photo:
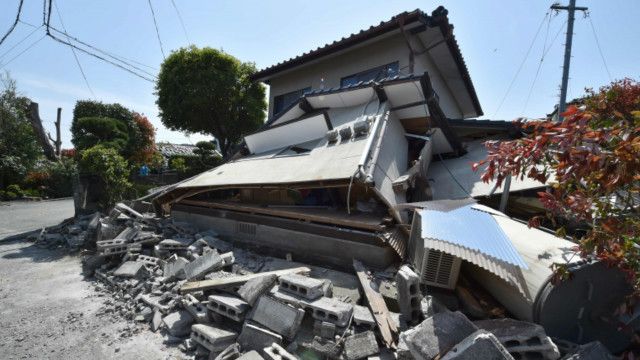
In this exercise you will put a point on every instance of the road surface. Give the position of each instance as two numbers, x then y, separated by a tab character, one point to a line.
48	310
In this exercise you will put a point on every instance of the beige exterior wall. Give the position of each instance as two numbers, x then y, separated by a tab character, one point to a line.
328	72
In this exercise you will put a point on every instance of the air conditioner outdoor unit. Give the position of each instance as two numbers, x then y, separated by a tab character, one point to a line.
436	268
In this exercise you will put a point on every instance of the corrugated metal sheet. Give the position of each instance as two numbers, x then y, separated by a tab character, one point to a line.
472	229
509	273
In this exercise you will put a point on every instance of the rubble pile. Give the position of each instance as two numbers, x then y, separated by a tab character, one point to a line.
219	302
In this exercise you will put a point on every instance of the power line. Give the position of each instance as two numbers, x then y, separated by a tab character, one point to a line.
595	36
109	54
15	23
545	50
20	42
155	24
184	28
22	52
75	56
526	56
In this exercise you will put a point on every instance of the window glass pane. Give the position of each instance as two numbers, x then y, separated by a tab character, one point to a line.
281	102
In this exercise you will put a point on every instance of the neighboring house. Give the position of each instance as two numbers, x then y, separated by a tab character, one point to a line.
168	150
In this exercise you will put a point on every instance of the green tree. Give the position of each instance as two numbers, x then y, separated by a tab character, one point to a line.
115	126
111	168
206	90
19	149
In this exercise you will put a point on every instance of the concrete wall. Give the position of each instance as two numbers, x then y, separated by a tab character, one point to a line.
327	72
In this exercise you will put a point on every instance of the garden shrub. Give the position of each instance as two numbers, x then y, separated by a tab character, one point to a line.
111	168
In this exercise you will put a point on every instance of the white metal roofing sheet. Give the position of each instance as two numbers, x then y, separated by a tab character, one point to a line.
471	229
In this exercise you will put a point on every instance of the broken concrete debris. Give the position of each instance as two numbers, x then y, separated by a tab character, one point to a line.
522	339
212	302
479	345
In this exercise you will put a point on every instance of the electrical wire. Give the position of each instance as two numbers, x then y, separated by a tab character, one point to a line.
75	56
15	23
20	42
595	36
22	52
184	28
526	56
155	24
545	50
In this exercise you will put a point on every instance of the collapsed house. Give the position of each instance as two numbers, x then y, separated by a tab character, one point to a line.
367	155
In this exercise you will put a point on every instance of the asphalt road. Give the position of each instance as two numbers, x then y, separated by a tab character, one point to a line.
17	217
48	310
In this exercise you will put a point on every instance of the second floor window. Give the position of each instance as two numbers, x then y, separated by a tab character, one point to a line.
375	74
281	102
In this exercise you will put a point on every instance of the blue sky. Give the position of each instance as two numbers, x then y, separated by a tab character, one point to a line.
493	35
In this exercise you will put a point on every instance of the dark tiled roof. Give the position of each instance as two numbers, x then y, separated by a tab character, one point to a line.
438	18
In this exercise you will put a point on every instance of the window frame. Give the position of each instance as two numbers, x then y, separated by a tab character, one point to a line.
395	64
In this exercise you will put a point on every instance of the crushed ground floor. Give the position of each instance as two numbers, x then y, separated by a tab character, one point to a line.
209	297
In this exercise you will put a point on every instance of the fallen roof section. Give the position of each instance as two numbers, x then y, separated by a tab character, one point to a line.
455	179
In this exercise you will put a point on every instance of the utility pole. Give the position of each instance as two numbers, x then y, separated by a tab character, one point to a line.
571	10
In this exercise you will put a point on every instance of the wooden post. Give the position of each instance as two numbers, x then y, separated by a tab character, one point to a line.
58	141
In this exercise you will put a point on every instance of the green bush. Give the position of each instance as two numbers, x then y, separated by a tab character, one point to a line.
15	189
111	168
178	164
92	131
61	177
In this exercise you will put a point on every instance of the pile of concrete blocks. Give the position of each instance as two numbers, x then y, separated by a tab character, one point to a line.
145	262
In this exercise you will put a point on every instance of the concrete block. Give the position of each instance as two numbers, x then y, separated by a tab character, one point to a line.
127	234
590	351
106	231
522	339
213	339
251	355
362	317
254	337
324	329
360	345
437	334
171	245
232	352
131	269
178	323
146	237
256	287
155	302
281	318
331	310
306	287
174	268
277	352
149	261
116	246
288	298
409	296
206	263
197	309
229	306
479	345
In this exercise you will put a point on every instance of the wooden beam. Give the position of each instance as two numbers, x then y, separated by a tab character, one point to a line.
378	307
354	221
194	286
